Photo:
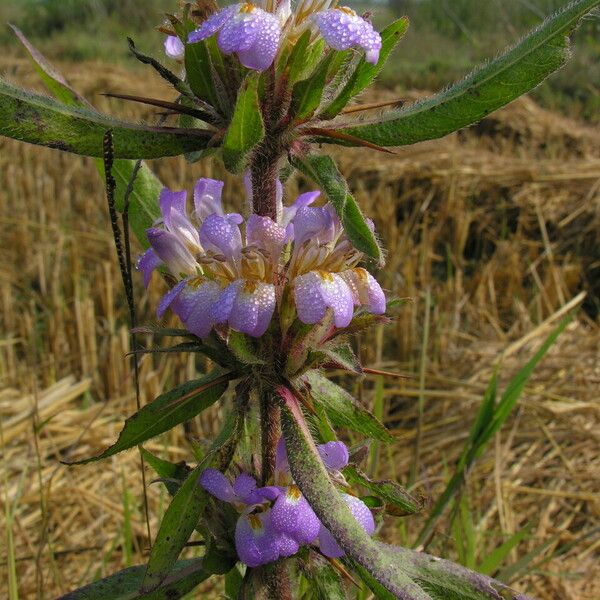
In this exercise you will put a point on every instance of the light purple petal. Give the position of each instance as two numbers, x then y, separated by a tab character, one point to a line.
271	492
174	47
207	198
170	249
366	291
245	487
240	31
194	307
261	53
313	223
302	201
335	455
220	235
255	540
264	233
221	310
169	297
292	515
342	28
329	547
216	484
361	513
253	308
171	201
287	545
314	292
213	23
147	263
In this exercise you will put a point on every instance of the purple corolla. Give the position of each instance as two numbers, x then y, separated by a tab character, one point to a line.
174	47
245	29
342	28
276	520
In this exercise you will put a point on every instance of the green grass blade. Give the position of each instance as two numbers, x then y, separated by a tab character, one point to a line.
491	563
486	425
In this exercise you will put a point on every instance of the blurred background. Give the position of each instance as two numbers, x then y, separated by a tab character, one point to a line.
493	235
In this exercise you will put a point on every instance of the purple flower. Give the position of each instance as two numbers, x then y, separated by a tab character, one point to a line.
329	547
366	291
317	291
174	47
335	455
293	516
251	32
247	306
256	542
342	28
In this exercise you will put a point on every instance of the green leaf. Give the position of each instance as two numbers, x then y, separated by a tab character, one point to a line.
325	582
389	491
309	337
199	72
494	559
304	57
125	585
143	200
514	73
243	348
170	409
246	128
341	356
437	579
188	505
324	172
307	94
313	480
40	120
343	409
171	474
365	72
296	63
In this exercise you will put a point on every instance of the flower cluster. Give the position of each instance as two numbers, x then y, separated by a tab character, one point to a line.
222	277
276	520
256	33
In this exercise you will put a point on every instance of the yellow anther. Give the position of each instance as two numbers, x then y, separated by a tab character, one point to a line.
247	7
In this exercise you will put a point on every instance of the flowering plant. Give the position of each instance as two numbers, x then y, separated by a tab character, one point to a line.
272	297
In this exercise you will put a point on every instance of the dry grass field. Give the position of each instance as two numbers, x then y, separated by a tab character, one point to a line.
498	226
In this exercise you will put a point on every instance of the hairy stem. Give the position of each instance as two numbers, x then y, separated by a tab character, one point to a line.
270	433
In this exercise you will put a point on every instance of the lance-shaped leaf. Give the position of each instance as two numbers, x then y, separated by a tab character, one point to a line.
125	585
246	128
401	573
442	579
365	72
143	200
343	410
324	172
341	356
36	119
514	73
170	409
312	478
199	72
189	503
307	94
393	494
171	474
